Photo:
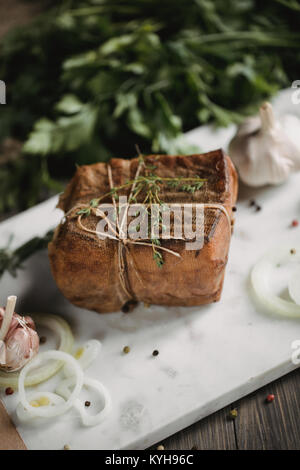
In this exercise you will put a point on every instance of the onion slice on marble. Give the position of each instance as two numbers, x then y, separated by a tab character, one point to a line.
58	409
53	399
86	355
87	419
260	279
67	392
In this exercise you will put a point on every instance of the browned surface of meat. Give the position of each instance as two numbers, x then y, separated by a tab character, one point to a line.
86	268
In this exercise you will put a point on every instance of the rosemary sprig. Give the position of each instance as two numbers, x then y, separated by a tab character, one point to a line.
11	261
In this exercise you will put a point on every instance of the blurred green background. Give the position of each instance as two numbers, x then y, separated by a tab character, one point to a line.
88	80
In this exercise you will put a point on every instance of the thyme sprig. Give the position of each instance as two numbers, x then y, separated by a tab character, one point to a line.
149	185
12	260
157	256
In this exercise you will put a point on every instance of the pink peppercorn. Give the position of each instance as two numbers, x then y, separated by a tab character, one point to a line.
270	398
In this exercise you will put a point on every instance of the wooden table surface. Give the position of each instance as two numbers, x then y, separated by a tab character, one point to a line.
258	425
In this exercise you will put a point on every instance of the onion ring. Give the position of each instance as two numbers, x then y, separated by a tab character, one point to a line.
87	420
88	353
260	276
24	415
57	410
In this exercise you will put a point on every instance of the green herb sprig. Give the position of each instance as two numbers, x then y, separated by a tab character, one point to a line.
11	261
148	187
132	72
151	185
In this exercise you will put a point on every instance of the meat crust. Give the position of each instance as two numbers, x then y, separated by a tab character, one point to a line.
86	269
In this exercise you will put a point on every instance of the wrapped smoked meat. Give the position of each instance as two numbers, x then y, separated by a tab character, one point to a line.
107	274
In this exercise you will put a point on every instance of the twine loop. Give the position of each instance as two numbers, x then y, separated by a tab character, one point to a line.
117	232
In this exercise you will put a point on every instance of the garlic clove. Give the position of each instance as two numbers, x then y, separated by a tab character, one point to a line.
267	119
291	128
250	126
7	316
20	344
2	352
276	166
29	322
266	150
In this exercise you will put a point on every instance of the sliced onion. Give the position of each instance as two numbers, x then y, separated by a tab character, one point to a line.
91	350
59	409
86	355
63	389
260	278
294	288
41	374
87	419
24	415
92	420
67	392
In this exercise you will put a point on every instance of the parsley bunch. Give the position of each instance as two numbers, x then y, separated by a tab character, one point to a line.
89	79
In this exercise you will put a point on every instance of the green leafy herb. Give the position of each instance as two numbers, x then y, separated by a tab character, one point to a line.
11	261
87	79
85	211
158	258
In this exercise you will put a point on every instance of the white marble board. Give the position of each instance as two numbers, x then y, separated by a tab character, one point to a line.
209	356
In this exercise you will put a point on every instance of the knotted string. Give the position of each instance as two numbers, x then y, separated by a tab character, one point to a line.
117	233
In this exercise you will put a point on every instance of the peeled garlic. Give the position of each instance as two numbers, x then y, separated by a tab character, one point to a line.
19	341
266	150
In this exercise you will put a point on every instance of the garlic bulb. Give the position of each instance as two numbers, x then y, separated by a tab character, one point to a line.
19	342
266	150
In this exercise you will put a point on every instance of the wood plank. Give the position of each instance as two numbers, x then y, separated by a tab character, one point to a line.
216	432
9	436
271	426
